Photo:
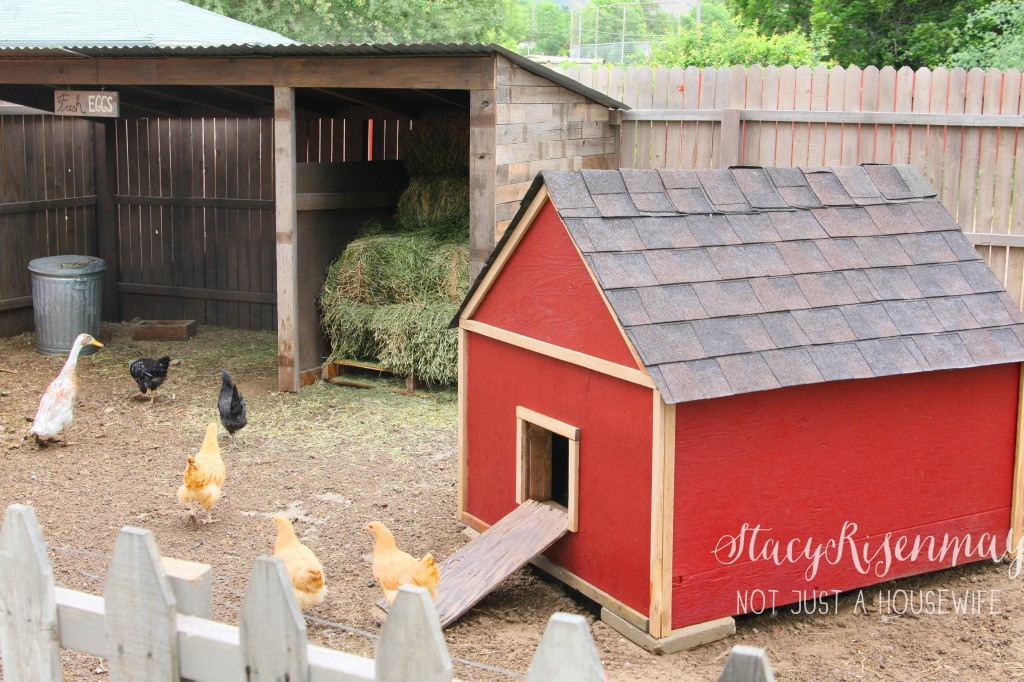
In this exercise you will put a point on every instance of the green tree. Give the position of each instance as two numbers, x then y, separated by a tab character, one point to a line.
710	12
727	43
537	27
993	37
774	16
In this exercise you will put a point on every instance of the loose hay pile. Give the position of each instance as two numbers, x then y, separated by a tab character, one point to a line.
390	296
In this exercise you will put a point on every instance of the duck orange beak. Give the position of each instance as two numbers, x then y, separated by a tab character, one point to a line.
97	343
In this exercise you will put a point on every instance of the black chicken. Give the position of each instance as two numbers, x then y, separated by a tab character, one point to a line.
149	374
231	405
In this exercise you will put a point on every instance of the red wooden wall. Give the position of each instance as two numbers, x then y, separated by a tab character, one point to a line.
545	292
896	454
611	550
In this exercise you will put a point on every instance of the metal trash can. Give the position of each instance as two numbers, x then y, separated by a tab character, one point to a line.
67	295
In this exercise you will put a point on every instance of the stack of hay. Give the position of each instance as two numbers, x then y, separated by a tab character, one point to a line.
390	296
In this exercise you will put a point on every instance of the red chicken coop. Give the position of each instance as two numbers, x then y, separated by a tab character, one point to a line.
744	389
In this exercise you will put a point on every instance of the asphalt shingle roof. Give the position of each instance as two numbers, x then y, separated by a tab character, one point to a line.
749	279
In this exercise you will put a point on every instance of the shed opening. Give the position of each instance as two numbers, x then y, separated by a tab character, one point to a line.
547	462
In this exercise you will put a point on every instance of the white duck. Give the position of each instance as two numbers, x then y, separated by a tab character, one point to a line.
57	405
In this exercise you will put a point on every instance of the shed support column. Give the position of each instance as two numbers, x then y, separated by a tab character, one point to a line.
104	146
482	177
285	219
662	506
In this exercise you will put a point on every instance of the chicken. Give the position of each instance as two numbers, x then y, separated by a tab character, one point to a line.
204	476
56	407
304	569
231	405
393	568
149	374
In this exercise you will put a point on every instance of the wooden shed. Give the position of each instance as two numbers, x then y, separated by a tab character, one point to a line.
742	387
235	173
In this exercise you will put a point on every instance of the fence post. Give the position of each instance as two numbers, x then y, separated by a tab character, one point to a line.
29	632
729	150
747	664
566	653
142	631
272	631
411	645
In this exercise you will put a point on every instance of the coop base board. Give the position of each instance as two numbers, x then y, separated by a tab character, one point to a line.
678	640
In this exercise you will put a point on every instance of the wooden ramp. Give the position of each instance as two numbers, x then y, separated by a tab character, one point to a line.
482	564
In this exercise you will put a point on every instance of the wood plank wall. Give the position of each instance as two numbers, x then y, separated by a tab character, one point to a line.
976	169
47	197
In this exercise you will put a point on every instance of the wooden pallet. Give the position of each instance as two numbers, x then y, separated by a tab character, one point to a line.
482	564
332	370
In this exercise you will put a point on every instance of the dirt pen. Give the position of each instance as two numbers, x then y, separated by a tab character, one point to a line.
333	458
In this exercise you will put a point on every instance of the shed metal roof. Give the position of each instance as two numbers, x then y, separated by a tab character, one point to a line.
749	279
68	49
50	23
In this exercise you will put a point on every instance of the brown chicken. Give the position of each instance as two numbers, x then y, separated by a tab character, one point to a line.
204	476
393	568
304	569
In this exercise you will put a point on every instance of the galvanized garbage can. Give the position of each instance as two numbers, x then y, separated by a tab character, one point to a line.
67	294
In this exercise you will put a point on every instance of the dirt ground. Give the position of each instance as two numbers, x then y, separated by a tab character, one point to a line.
334	458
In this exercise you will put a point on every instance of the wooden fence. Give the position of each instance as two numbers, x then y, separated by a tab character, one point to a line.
189	232
47	201
961	129
153	623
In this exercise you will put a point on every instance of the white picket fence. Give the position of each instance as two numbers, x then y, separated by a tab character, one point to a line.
153	624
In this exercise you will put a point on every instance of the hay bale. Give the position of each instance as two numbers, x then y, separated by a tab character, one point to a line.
437	145
349	326
413	338
398	268
437	205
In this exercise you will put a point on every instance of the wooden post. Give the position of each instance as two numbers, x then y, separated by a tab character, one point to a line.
272	631
747	664
482	177
1017	494
28	617
192	583
729	151
142	632
411	645
286	220
662	506
566	653
104	153
462	371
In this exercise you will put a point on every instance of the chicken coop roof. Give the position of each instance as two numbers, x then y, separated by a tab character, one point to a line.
749	279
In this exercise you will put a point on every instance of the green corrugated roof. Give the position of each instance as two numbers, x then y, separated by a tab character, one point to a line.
123	23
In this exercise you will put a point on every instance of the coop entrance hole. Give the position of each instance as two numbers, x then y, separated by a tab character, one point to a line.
548	462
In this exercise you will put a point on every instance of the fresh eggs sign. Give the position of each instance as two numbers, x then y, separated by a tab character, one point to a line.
85	103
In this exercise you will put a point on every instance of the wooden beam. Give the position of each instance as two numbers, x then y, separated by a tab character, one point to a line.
286	221
506	252
633	376
848	117
366	98
194	202
104	165
325	201
47	204
438	73
731	139
15	303
546	422
194	292
989	239
662	505
1017	495
463	368
482	177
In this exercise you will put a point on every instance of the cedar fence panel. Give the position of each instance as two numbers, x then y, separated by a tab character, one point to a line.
962	130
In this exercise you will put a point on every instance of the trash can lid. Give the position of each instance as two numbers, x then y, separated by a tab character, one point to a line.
67	266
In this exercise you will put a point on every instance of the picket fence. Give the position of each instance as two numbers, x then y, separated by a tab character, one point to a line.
153	623
962	129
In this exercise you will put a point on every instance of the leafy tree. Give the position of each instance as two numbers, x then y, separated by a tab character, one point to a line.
727	43
774	16
993	37
710	12
895	32
537	27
